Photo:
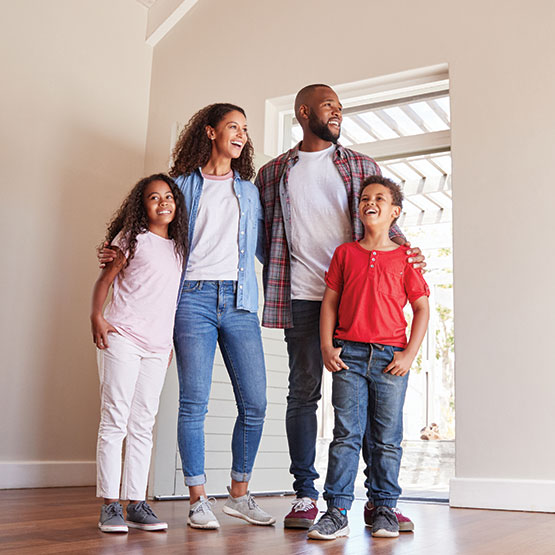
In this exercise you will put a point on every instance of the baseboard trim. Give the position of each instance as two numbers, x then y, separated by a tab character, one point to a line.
46	474
509	495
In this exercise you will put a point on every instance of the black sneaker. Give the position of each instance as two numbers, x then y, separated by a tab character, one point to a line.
332	525
385	523
140	515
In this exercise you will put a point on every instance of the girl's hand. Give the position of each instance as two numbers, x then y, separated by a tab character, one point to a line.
332	362
171	358
401	363
100	329
415	257
108	253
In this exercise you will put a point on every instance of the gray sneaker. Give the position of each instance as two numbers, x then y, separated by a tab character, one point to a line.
385	523
140	515
245	507
332	525
111	518
201	515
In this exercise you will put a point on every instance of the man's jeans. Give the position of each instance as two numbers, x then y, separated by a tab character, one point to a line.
305	380
360	394
206	315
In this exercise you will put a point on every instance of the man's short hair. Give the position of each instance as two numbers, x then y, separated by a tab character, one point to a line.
304	93
394	189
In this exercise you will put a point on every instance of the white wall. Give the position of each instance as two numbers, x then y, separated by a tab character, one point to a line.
74	95
503	131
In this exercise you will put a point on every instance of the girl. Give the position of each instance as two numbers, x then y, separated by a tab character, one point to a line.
134	340
218	302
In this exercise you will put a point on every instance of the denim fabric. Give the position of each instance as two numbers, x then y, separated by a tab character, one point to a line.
251	231
361	393
305	380
206	315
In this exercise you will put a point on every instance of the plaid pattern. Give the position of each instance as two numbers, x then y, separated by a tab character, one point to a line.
353	167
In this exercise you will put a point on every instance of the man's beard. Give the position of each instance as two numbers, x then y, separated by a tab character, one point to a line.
321	130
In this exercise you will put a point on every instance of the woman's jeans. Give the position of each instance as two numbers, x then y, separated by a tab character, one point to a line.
206	315
361	394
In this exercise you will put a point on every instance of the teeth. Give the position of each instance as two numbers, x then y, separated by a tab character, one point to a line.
164	212
236	143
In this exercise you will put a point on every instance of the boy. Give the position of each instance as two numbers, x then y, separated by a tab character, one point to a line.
368	284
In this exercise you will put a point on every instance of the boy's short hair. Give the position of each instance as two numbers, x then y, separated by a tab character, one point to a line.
394	189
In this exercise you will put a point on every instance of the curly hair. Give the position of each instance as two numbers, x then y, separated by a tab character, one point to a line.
193	148
131	218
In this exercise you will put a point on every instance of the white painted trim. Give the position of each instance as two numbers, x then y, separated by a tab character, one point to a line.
46	474
169	23
510	495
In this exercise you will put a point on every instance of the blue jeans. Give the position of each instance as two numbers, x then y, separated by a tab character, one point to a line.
206	315
361	394
305	381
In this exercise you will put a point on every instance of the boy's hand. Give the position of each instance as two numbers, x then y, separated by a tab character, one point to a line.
401	363
332	362
107	254
100	329
415	257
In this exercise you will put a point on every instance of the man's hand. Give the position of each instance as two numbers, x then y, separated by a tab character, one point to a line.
100	329
108	253
332	362
415	257
400	364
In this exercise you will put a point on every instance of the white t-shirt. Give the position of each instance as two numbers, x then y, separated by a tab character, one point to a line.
214	253
320	221
145	295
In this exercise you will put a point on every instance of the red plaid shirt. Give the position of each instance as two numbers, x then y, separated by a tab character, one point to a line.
353	167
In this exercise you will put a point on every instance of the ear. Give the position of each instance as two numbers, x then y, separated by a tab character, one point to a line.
210	133
396	211
304	110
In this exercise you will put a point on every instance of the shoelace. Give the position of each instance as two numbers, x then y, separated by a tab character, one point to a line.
145	507
251	502
205	505
303	504
114	509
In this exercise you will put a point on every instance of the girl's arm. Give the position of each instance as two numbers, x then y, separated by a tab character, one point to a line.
100	327
328	320
402	360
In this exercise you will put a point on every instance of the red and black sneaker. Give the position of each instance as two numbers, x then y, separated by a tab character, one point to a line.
302	515
405	523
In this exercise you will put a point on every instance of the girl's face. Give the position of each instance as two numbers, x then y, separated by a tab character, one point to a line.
159	204
229	136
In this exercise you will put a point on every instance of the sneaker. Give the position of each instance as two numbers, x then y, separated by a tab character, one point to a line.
201	515
385	523
302	515
111	518
332	525
245	507
405	523
140	515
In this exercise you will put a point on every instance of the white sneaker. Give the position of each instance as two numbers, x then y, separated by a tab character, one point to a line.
201	515
245	507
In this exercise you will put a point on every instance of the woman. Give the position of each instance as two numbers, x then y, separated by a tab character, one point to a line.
218	302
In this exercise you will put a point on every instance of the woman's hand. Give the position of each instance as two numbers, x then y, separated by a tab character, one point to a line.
332	362
100	330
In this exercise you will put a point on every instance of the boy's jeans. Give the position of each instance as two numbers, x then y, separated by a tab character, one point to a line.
206	315
364	392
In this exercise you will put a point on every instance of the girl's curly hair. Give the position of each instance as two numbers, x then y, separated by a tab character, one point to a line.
193	148
131	218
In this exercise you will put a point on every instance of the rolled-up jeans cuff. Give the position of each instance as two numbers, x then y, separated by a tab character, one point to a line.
240	476
195	480
340	502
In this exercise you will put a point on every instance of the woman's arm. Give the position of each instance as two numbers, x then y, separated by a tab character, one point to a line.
328	321
100	327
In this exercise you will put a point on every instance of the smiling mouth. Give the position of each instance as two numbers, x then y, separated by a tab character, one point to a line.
371	211
237	144
335	123
164	212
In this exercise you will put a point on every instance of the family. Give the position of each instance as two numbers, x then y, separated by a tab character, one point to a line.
337	272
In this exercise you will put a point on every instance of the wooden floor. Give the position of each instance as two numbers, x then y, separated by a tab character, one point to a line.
64	520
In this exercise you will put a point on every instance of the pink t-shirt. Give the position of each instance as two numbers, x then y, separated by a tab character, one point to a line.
144	298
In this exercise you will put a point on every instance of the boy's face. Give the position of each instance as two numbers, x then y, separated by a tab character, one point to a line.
376	208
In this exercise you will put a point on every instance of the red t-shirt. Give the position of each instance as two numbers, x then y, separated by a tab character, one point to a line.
374	287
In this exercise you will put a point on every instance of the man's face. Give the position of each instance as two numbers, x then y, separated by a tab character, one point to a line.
324	114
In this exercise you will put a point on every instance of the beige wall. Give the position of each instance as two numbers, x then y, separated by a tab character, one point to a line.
503	131
74	95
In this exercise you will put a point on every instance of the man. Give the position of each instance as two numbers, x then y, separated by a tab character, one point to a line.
310	199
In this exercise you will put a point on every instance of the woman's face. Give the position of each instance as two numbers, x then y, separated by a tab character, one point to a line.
230	135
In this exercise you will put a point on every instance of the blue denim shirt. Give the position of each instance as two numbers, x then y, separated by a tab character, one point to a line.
251	231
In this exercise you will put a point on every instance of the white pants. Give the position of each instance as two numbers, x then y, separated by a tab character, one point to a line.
131	381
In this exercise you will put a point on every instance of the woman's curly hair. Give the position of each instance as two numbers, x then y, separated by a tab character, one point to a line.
131	218
193	148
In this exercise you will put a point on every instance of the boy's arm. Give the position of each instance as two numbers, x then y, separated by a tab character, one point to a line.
328	320
402	360
99	326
